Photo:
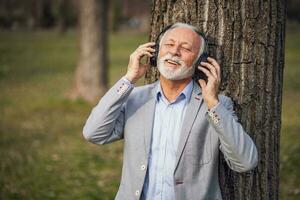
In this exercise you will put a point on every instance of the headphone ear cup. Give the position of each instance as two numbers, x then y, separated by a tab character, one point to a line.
153	59
198	73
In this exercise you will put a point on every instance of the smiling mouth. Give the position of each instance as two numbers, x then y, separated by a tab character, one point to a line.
172	62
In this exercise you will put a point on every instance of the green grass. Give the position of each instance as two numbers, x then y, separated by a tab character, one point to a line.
43	154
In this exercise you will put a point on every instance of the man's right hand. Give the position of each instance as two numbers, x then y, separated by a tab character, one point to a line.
135	68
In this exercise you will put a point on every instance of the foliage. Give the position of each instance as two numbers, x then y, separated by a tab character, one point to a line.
293	10
37	13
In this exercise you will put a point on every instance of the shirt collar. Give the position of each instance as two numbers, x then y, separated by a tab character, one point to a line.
186	93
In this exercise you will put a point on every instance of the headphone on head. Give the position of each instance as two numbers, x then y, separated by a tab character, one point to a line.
202	58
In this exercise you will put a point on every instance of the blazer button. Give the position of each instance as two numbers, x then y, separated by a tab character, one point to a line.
137	193
143	167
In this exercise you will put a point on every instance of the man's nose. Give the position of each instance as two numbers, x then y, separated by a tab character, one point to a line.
175	50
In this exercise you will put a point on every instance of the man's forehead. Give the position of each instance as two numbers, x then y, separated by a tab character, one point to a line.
183	34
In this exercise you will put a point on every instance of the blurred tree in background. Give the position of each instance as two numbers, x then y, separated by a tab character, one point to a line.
63	14
32	14
91	79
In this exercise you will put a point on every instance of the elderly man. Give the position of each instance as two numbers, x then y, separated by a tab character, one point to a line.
173	129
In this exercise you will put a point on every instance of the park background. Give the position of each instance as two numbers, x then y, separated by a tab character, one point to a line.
43	153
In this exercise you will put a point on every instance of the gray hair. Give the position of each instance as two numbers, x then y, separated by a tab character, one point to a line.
193	28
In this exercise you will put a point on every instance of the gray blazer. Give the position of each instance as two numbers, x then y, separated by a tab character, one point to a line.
127	113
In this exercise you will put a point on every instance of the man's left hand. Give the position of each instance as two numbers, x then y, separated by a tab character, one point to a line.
210	89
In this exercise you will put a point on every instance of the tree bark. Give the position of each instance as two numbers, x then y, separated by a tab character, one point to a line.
91	74
247	39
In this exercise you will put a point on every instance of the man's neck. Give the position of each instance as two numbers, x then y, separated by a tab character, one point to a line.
172	88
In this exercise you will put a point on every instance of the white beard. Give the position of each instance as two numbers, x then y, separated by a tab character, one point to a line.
181	72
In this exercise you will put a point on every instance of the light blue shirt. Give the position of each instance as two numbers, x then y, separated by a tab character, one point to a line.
168	119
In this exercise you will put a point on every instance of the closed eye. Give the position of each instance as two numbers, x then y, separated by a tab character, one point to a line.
186	49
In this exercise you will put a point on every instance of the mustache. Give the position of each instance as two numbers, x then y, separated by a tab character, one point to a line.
174	59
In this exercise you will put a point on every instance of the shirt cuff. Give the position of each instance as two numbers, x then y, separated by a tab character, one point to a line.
214	108
212	114
124	85
127	81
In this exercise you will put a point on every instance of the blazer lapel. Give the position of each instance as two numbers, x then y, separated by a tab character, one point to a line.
190	116
149	110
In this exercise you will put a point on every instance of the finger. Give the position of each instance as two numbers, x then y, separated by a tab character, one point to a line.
202	83
148	44
143	53
210	59
206	72
146	49
211	68
216	64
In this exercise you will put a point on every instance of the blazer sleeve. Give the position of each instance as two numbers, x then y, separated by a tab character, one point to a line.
105	123
238	148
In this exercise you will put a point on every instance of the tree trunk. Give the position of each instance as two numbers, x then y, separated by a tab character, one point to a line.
62	15
91	74
247	39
